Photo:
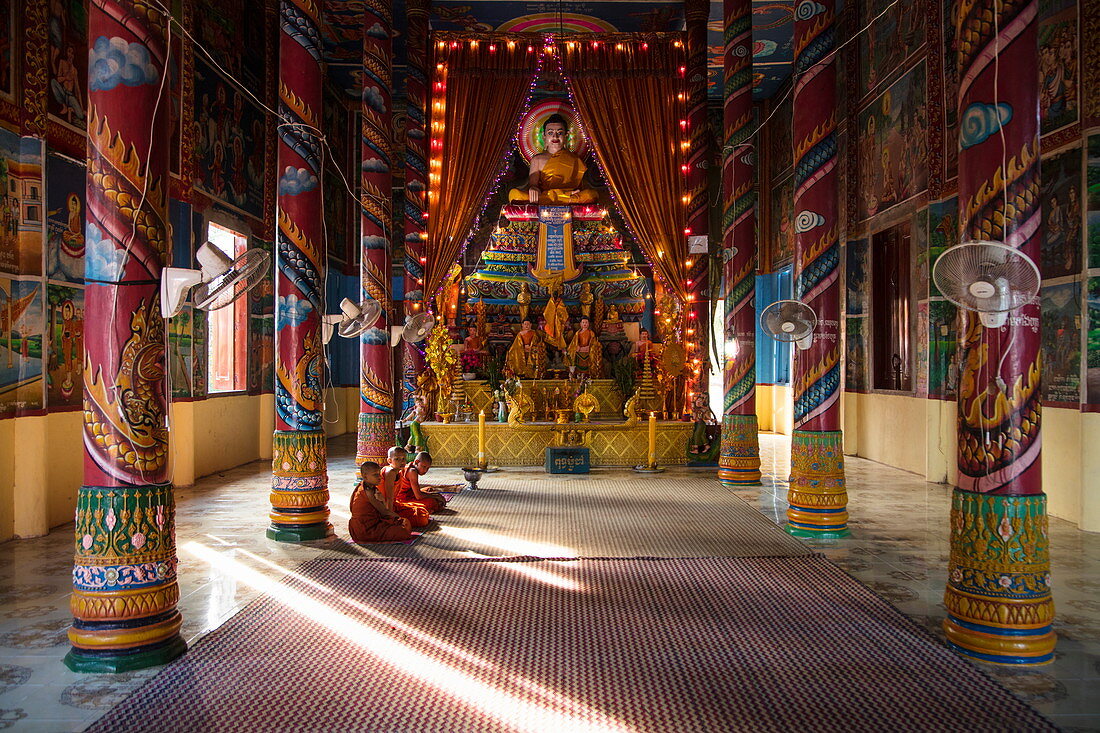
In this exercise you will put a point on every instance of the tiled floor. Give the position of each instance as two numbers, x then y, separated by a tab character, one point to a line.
898	547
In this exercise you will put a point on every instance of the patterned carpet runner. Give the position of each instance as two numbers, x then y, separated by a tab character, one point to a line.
659	644
670	515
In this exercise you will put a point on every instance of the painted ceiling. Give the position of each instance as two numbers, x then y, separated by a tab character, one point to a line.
772	30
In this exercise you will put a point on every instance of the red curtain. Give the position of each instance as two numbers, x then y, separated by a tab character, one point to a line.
479	91
630	94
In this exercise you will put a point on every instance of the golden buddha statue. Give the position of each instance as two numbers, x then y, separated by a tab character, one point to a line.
556	175
585	354
587	299
524	301
527	355
557	317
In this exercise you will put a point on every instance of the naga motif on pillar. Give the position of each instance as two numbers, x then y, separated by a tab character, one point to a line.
998	594
124	576
818	496
416	186
376	427
299	488
739	463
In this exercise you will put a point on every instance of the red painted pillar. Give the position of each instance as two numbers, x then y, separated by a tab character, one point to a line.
697	158
818	496
416	185
998	594
124	576
739	463
376	427
299	489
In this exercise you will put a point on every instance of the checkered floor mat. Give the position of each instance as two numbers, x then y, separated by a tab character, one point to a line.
669	515
655	645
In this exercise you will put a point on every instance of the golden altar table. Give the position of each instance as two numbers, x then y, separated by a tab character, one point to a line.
611	444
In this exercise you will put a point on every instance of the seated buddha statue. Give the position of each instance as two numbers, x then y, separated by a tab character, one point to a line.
527	355
556	176
585	353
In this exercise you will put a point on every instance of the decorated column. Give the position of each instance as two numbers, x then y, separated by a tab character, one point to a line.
998	595
697	157
739	463
124	576
416	185
376	433
299	487
817	495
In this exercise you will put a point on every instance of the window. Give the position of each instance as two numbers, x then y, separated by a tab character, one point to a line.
227	347
890	298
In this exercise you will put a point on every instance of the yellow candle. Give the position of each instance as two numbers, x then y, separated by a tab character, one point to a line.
652	462
481	462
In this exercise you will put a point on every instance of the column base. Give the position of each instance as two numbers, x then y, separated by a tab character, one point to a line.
998	597
818	496
123	660
739	462
815	534
375	435
306	533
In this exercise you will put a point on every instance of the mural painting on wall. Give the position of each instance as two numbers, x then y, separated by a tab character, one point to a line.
229	143
855	267
65	182
21	335
1061	343
921	264
1059	87
198	354
7	49
21	205
893	144
65	327
888	42
781	211
950	93
68	61
943	232
1061	196
922	349
780	142
261	331
1092	371
233	35
180	353
1094	201
943	337
855	355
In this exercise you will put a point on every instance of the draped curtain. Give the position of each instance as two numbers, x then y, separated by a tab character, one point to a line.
479	91
629	92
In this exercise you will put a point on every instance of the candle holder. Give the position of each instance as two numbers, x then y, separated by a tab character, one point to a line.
650	465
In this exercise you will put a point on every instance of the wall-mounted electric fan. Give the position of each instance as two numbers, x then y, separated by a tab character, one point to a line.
790	321
989	278
415	330
352	320
218	282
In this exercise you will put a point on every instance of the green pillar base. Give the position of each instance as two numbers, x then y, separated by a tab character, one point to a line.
307	533
809	534
729	484
79	661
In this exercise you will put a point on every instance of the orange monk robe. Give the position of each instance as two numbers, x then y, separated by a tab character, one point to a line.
403	493
371	521
416	514
585	352
526	354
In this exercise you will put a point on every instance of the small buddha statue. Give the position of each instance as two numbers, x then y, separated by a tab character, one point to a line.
586	300
556	175
472	342
527	355
524	300
585	353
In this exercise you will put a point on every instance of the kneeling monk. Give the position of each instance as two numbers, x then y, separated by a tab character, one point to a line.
409	490
371	520
391	474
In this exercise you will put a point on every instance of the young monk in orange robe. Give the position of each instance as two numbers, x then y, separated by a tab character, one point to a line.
370	520
409	490
415	513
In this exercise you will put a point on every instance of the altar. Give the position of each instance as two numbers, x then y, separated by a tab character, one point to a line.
611	444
